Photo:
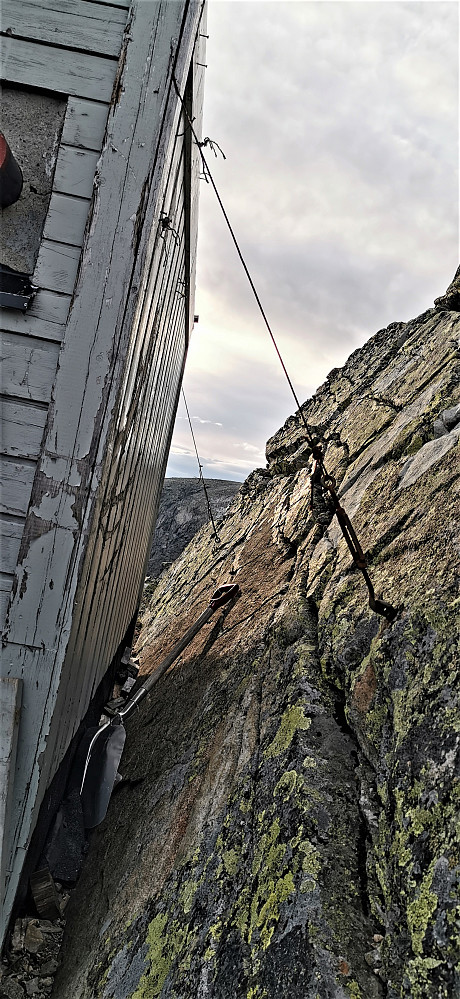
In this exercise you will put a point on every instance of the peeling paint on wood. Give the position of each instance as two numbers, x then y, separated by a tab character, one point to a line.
6	579
4	600
11	529
27	325
46	316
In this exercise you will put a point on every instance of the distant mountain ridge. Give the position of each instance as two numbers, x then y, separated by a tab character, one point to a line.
183	510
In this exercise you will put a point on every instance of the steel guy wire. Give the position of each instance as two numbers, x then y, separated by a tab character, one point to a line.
326	481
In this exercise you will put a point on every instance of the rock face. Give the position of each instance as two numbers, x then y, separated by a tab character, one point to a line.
183	510
288	824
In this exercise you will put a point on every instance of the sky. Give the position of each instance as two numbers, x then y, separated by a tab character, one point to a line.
339	124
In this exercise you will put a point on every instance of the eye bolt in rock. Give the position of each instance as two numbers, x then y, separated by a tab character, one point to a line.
10	175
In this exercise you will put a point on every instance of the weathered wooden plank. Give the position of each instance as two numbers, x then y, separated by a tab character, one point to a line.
29	325
57	266
113	3
81	25
11	529
84	123
9	549
75	169
66	219
109	629
28	367
79	73
157	279
22	425
36	668
6	581
15	485
46	316
133	475
10	705
50	306
4	601
134	161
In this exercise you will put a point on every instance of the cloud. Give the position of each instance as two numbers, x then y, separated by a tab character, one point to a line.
207	421
249	447
340	128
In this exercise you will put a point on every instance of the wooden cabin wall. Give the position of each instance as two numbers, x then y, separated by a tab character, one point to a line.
101	462
135	464
70	52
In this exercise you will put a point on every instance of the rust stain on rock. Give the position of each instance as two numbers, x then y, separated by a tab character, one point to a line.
364	690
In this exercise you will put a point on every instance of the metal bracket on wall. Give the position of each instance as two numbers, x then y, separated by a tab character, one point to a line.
16	289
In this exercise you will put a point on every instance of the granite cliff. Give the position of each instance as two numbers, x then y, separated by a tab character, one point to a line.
288	822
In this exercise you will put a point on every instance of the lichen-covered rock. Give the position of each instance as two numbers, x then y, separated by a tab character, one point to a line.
288	823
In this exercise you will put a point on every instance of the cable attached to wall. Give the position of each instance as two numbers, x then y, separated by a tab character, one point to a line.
319	471
200	473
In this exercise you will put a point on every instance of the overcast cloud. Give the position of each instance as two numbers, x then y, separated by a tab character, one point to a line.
339	122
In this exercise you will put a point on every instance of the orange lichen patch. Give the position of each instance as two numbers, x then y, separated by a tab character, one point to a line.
152	655
258	567
364	689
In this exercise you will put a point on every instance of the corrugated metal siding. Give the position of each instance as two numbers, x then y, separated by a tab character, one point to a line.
114	564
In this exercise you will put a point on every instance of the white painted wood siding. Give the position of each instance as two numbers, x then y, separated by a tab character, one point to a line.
40	48
71	48
82	25
96	484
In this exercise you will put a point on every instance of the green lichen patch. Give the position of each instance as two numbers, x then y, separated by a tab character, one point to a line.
163	948
293	719
420	911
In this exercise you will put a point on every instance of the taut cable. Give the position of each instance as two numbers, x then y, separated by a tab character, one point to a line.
327	481
200	472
